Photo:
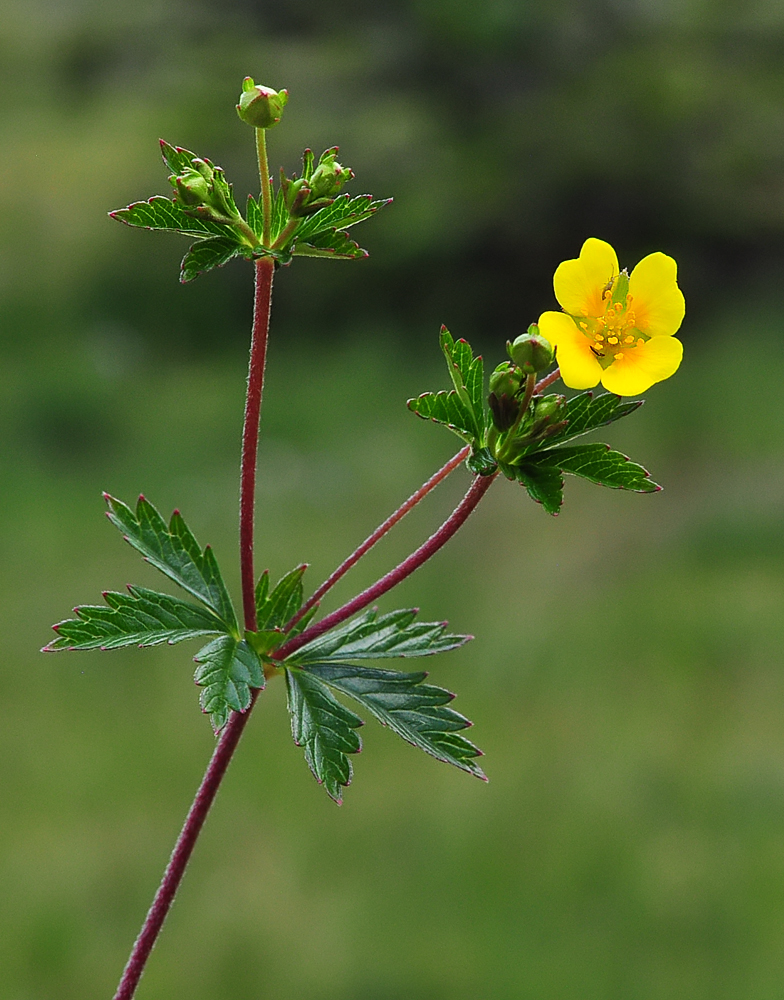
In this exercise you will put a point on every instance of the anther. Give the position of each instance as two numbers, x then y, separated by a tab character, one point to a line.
618	356
629	340
612	340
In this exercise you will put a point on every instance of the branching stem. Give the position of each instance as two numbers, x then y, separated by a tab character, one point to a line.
379	533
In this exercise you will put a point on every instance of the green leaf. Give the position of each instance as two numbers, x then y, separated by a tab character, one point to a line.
445	408
227	670
584	414
207	254
415	711
598	463
175	552
139	618
372	637
344	211
274	609
332	243
324	728
543	482
166	214
278	218
176	158
467	374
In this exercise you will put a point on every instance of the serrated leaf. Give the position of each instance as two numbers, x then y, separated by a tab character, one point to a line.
175	552
227	670
165	214
415	711
585	413
274	609
543	482
344	211
324	728
445	408
334	243
467	374
254	216
176	158
371	637
278	217
139	618
598	463
208	254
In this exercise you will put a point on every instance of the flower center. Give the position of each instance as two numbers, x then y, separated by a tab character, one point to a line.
613	334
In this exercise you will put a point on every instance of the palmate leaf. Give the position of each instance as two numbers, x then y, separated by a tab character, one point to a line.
324	728
166	214
373	637
585	413
543	482
175	552
344	211
462	409
208	254
415	711
332	243
276	607
139	618
227	670
600	464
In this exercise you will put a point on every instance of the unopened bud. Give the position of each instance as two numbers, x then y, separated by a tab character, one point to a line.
260	106
531	352
549	409
504	405
329	176
192	188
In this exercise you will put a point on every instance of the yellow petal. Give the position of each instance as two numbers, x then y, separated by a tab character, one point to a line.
579	283
639	368
578	364
658	303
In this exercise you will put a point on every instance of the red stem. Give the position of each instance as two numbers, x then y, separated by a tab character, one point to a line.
379	533
547	380
456	519
250	435
227	743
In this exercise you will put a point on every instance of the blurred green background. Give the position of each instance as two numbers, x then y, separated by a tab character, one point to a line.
626	679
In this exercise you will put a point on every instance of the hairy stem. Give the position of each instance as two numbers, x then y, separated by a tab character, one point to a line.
250	434
456	519
547	380
379	533
264	181
224	750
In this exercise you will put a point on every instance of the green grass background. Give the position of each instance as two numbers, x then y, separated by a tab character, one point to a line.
626	680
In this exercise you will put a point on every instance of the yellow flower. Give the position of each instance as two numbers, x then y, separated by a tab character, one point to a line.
615	328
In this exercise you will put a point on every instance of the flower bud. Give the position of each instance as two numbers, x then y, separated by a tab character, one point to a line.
260	106
504	405
192	188
530	351
549	408
329	176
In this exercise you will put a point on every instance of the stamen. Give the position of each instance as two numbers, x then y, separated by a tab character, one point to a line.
612	340
583	325
640	342
628	340
618	356
599	336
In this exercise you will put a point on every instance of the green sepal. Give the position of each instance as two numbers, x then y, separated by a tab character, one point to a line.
175	552
139	618
163	213
584	413
208	254
599	464
417	712
325	729
371	637
227	670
